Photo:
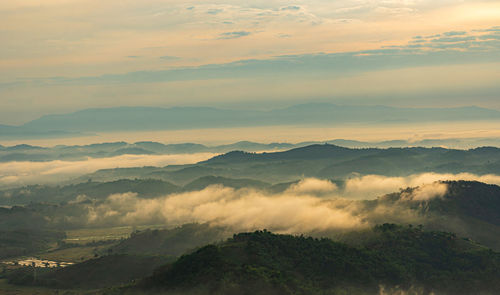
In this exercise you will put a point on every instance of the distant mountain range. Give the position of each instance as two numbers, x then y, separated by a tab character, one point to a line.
24	152
179	118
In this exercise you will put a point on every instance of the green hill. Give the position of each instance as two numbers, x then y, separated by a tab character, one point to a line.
266	263
468	208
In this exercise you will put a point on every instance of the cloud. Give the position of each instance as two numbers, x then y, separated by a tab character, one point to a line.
427	192
241	210
455	33
234	35
68	46
454	39
471	41
311	205
215	11
429	51
372	186
313	186
291	7
23	173
490	36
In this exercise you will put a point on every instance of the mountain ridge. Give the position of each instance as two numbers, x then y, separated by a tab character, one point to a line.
128	118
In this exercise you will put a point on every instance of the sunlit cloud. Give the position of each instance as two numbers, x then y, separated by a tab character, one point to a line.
312	205
75	60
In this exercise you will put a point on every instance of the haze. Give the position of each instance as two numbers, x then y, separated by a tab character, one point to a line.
60	56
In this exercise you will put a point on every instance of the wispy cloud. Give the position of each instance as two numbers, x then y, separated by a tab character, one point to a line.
291	7
233	35
455	33
420	51
215	11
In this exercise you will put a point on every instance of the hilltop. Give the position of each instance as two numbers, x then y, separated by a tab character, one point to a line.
266	263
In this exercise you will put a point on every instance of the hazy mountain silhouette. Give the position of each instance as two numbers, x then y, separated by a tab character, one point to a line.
155	118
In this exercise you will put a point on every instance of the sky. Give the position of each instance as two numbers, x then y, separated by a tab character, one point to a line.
59	56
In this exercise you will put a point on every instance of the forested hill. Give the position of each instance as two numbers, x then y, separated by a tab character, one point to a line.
322	161
396	258
325	151
470	199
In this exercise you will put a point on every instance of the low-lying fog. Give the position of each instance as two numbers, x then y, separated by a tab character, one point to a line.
23	173
311	205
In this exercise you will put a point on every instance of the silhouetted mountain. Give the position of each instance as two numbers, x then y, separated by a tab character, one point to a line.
149	118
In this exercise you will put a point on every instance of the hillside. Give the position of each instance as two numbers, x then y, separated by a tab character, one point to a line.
21	242
468	208
322	161
462	198
102	272
265	263
145	188
171	242
24	152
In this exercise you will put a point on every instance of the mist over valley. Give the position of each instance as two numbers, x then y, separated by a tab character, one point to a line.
249	147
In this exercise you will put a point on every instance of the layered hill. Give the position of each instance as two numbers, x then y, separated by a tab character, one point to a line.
322	161
25	152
